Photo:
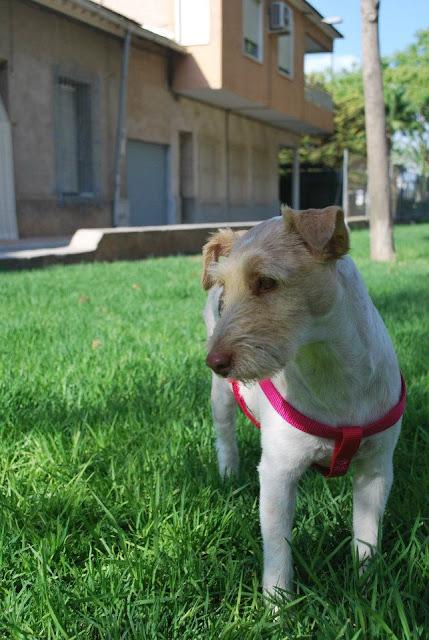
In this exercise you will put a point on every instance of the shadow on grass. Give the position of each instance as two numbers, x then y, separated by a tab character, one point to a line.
150	407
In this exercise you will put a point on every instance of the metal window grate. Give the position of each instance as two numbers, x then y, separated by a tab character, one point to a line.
74	139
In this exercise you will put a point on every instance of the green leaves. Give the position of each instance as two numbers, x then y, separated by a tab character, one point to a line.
406	92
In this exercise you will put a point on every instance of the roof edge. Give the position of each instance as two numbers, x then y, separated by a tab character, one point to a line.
317	18
102	18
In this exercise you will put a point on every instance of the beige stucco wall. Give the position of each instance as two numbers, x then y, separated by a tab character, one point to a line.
155	114
160	14
35	42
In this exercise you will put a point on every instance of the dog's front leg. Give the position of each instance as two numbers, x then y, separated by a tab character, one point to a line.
224	414
372	482
277	509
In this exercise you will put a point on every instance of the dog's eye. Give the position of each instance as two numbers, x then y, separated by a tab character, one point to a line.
220	303
264	283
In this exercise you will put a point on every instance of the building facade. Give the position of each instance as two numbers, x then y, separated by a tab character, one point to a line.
167	112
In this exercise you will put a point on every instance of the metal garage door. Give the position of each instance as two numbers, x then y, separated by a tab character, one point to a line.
8	227
147	182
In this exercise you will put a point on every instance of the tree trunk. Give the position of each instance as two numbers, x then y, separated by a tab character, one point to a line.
381	223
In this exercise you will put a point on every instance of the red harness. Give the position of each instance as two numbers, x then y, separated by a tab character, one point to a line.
347	438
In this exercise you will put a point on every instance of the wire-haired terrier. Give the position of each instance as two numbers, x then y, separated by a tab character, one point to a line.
295	337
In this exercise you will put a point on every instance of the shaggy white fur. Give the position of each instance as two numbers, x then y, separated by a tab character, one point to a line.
339	368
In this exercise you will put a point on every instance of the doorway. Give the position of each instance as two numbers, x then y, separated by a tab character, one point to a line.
147	183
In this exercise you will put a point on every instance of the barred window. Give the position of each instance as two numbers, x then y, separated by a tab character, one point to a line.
75	172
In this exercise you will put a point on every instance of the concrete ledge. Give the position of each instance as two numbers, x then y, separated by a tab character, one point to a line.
125	243
120	243
141	242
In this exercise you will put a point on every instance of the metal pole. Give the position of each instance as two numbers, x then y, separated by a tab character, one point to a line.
346	183
227	163
121	128
296	180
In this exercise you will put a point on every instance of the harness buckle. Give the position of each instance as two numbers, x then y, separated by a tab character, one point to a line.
345	447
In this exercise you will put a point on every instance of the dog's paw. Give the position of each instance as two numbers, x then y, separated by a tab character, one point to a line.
228	471
277	589
364	553
275	596
228	464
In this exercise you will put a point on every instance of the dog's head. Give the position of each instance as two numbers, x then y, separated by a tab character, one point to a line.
275	280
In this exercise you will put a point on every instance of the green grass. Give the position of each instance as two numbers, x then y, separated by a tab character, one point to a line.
113	521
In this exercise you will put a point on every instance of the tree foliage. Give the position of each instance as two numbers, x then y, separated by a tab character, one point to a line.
349	120
407	77
406	89
408	74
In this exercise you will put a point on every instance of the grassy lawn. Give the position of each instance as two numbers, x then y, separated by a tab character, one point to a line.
113	521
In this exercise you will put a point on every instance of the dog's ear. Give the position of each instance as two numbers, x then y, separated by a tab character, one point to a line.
323	230
220	244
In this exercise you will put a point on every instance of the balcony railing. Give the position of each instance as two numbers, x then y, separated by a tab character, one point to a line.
319	97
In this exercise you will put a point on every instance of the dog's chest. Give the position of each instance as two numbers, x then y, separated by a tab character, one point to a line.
252	396
283	437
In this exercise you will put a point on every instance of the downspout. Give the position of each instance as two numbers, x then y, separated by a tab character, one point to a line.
121	128
227	164
296	182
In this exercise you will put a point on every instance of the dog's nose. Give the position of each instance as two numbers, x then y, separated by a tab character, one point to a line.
220	362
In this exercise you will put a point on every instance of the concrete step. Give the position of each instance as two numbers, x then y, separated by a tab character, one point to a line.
123	243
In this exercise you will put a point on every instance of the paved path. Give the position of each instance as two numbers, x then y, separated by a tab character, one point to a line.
10	247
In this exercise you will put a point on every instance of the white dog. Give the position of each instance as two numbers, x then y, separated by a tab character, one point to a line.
286	306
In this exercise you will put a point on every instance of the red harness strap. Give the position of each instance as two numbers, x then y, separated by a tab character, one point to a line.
347	438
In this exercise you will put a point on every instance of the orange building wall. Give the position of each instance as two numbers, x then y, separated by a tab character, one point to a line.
222	65
203	66
261	82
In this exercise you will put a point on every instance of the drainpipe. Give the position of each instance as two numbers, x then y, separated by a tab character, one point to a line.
296	188
121	128
227	163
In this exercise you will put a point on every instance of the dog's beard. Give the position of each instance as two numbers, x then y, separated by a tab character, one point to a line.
258	352
256	362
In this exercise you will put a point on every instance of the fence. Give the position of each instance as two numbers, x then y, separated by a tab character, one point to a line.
321	186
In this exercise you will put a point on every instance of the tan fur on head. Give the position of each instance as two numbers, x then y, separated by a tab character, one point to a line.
275	281
323	230
220	244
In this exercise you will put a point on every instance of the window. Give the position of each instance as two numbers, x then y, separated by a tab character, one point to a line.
74	139
253	28
285	52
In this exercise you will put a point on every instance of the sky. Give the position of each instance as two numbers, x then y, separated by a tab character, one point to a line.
399	20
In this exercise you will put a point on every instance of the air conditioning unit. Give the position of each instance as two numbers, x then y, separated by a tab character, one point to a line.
280	18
